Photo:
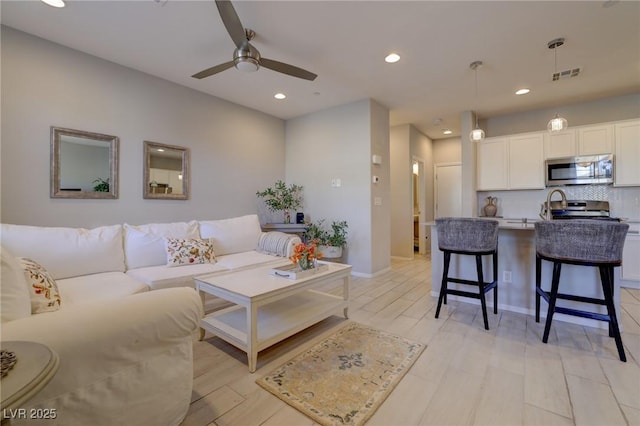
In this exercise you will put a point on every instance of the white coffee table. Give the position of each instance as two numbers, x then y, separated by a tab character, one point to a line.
268	309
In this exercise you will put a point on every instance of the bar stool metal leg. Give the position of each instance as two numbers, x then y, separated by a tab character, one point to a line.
557	266
538	286
606	276
443	286
483	302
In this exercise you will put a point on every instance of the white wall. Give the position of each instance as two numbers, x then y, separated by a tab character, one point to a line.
401	196
235	151
599	111
447	150
337	143
407	143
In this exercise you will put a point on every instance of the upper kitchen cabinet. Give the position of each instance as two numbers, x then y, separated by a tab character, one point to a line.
492	158
594	140
560	144
526	161
627	153
583	140
513	162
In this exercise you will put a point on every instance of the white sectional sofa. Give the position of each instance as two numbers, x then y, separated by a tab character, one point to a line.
125	349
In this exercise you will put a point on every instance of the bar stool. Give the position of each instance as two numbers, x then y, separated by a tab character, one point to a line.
473	237
586	243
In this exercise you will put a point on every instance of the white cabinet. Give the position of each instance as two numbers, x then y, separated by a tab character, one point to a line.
631	255
513	162
492	157
526	161
582	140
627	153
561	144
595	139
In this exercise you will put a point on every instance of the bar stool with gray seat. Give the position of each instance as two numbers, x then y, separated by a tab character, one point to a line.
473	237
580	242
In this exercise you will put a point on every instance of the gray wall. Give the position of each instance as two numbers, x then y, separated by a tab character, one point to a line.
598	111
234	150
337	143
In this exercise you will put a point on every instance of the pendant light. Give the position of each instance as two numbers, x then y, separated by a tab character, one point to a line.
476	134
557	123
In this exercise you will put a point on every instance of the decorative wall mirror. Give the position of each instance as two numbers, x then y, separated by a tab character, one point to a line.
166	171
83	164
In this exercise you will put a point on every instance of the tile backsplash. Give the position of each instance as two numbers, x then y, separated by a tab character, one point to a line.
624	202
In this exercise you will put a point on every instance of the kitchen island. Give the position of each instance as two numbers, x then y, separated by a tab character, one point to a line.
517	275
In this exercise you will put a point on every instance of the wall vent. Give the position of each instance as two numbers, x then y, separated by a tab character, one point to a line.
572	72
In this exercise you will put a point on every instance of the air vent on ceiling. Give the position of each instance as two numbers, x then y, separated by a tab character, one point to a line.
573	72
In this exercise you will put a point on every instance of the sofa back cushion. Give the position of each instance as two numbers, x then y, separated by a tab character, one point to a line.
233	235
144	244
67	252
14	293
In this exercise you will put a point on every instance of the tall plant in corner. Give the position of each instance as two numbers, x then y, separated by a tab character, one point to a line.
281	197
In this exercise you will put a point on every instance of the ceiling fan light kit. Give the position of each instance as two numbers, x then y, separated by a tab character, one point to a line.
246	57
557	123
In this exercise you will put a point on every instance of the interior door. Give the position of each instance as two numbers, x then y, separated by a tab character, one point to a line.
448	190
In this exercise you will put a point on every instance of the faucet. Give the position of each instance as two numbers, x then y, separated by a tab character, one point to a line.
547	211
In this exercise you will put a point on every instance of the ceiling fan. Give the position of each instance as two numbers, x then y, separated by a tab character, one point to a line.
245	56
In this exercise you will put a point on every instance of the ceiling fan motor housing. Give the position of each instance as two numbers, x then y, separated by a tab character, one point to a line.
246	58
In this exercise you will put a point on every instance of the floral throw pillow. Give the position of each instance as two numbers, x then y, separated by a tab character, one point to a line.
188	251
43	289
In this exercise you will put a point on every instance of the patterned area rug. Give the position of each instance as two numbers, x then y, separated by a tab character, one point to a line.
344	379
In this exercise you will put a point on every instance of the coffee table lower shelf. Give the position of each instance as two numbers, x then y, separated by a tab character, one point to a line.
275	321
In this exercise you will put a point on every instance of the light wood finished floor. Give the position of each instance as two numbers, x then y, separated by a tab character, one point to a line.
466	376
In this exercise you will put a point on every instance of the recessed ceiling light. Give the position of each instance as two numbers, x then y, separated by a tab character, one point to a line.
522	91
279	96
160	150
392	58
54	3
446	132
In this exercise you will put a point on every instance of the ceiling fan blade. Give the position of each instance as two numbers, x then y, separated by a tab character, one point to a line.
231	21
287	69
213	70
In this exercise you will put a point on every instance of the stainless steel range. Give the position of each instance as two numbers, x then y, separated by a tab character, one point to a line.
581	209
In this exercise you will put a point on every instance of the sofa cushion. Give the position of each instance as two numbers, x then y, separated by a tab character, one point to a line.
144	244
14	293
67	252
158	277
247	259
235	235
43	289
103	288
188	251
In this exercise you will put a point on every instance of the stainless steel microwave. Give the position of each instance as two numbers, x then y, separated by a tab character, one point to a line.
582	170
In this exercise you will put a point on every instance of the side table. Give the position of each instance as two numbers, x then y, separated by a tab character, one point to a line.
36	365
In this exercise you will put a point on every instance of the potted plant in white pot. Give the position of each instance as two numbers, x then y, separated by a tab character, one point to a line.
330	239
281	197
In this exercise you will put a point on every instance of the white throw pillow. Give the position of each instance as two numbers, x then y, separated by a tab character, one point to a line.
67	252
43	290
14	292
233	235
144	244
188	251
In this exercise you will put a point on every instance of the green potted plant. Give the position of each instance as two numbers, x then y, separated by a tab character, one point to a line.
101	185
330	239
282	197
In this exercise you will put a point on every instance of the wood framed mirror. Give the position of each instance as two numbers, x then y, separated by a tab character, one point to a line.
83	164
166	171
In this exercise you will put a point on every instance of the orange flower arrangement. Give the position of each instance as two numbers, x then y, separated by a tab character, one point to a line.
305	255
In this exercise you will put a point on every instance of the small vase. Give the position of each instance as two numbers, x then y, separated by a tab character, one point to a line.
490	208
306	263
287	216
